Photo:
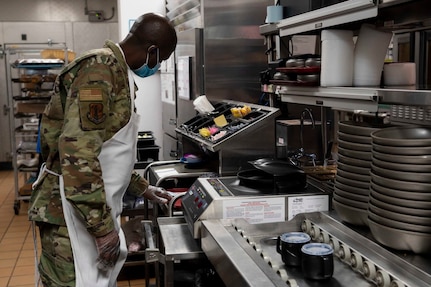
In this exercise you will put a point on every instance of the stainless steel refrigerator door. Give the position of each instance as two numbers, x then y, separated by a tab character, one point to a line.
170	147
190	44
169	116
234	49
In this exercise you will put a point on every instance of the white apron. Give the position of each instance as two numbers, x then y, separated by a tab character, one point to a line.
117	159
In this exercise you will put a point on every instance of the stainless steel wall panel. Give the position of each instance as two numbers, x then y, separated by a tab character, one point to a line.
234	49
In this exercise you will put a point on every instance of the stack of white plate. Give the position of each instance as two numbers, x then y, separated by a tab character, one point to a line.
399	213
352	181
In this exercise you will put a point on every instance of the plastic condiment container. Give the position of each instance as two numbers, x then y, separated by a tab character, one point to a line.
399	74
369	57
337	58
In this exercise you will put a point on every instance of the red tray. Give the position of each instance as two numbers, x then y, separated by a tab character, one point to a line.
177	204
299	70
294	83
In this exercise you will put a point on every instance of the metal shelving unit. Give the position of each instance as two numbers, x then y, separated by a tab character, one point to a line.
407	105
30	80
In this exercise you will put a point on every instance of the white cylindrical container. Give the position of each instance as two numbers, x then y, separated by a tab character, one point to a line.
369	57
274	14
399	74
336	58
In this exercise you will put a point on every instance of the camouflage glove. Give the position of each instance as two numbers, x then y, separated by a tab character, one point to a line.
108	247
157	194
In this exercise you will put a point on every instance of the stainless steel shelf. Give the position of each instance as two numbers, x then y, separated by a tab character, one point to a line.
404	97
351	11
337	14
349	99
352	98
268	29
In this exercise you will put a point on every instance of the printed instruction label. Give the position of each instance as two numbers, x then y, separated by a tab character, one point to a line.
304	204
262	210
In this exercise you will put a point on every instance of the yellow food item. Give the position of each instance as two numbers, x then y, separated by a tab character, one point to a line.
205	132
245	110
236	112
58	54
220	121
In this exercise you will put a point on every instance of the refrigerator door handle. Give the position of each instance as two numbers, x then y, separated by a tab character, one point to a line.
173	122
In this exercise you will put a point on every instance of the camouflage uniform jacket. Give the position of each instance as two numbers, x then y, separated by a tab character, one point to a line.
90	104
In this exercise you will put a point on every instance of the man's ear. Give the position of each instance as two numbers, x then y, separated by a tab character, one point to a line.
152	49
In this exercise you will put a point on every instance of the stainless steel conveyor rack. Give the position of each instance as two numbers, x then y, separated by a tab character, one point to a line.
236	248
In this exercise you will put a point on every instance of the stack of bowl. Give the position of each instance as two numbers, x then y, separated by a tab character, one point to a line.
352	181
399	213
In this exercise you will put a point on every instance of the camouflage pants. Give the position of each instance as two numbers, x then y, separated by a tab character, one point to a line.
56	266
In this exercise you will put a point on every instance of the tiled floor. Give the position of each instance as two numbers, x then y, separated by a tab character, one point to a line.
17	256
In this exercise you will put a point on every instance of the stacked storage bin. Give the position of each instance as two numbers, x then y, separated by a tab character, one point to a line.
147	151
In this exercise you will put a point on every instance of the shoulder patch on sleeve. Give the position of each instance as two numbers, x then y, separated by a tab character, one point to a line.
92	108
90	94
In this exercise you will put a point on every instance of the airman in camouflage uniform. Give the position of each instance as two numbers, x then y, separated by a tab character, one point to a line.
91	104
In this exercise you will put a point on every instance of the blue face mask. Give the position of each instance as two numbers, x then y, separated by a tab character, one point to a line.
145	71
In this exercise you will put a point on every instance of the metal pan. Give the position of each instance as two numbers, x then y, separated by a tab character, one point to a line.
401	150
397	224
351	182
401	166
362	155
412	177
276	167
349	214
399	239
402	197
354	176
409	136
416	211
407	159
354	161
351	202
354	169
354	138
397	184
358	128
400	218
350	195
352	189
255	178
354	146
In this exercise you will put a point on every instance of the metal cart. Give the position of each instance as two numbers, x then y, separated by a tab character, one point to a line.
30	80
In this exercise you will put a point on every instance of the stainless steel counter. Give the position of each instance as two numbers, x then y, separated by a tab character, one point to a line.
176	244
246	253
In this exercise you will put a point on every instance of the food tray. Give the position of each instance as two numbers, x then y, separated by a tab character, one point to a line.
299	70
38	63
294	83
